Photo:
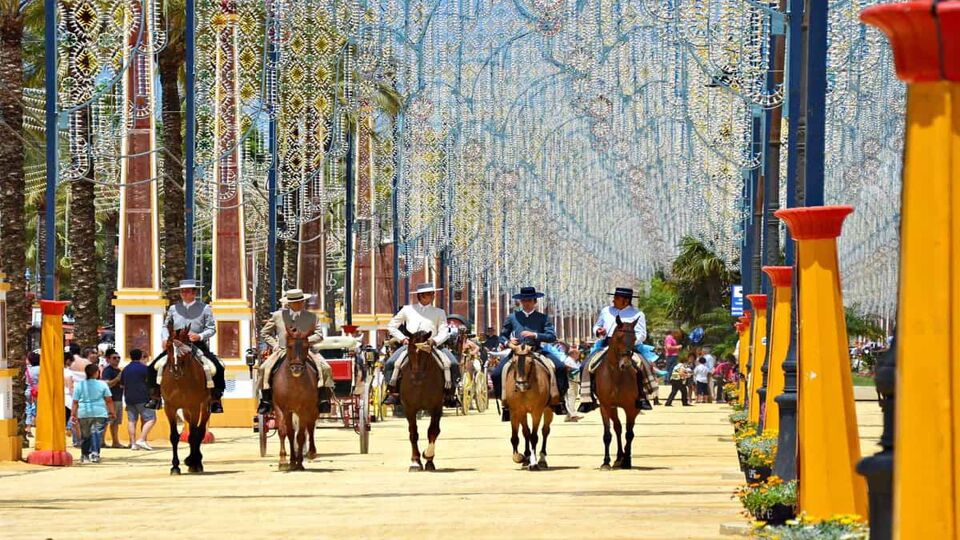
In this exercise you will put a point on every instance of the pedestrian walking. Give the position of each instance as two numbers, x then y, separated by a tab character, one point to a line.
671	349
92	408
722	374
136	394
32	376
111	375
574	389
711	364
701	374
69	381
678	383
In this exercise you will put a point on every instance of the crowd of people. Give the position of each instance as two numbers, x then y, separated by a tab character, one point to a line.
97	389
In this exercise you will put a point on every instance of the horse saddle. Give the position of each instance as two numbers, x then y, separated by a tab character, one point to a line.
311	363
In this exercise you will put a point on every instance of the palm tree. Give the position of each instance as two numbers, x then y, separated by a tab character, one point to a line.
84	282
13	17
702	281
170	63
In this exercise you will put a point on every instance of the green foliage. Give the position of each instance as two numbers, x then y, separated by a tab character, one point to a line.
655	301
760	498
701	280
861	324
837	528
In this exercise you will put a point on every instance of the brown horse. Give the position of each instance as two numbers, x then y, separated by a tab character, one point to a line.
526	390
295	401
421	389
184	388
616	386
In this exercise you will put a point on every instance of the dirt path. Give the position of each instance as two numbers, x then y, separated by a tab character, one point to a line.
686	470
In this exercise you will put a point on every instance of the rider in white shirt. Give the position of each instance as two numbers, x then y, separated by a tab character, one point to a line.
418	316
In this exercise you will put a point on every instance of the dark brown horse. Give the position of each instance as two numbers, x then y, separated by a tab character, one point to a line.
616	386
526	390
421	389
184	388
295	401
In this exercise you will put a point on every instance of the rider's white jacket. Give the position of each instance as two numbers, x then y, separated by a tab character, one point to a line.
418	317
608	320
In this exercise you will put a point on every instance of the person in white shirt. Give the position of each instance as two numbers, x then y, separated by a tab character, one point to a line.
711	363
621	307
701	374
418	316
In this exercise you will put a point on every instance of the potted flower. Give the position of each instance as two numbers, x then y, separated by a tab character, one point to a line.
730	391
745	432
759	453
738	419
839	527
773	502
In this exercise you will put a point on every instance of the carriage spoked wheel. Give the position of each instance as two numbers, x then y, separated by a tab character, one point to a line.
363	420
480	395
466	392
265	428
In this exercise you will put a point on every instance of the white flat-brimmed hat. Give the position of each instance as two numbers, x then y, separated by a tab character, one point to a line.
296	295
188	284
424	288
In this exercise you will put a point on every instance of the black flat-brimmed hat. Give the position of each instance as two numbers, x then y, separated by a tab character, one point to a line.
624	292
528	293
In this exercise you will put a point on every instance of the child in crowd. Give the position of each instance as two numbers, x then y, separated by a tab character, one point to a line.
92	407
701	374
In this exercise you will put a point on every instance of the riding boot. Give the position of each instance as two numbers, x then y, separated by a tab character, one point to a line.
324	395
393	395
156	400
216	407
266	401
586	406
505	414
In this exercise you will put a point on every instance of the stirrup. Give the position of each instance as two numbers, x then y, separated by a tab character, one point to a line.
265	407
392	399
216	407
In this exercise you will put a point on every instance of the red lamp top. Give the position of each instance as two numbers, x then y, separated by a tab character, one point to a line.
814	222
921	34
349	328
780	276
53	307
759	301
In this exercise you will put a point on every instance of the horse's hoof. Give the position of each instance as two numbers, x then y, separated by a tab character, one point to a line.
195	468
174	471
533	467
297	467
430	466
517	458
415	468
543	463
312	456
617	464
626	465
283	467
605	467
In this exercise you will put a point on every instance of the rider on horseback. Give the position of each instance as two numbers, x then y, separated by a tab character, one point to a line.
274	333
622	306
534	327
418	316
196	315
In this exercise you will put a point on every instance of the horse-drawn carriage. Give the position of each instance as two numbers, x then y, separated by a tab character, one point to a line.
473	387
352	389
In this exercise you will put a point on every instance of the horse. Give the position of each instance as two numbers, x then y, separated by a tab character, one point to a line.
295	401
184	388
421	389
526	390
615	382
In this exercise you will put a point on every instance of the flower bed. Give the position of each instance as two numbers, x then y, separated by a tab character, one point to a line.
773	501
843	527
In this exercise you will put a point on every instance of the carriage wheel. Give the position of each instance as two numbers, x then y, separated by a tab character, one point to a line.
262	429
466	392
363	420
480	392
377	408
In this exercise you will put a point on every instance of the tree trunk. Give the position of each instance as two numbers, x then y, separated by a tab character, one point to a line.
110	266
13	248
169	61
84	264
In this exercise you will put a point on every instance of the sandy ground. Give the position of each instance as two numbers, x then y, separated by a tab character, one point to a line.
685	472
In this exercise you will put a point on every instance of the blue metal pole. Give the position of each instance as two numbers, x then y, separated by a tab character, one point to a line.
816	101
50	83
794	98
395	213
190	128
348	233
272	173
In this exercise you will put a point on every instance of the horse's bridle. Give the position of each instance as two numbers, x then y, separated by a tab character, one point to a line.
295	356
625	359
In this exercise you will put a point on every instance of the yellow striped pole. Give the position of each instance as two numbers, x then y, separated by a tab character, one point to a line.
759	303
925	38
829	444
51	442
781	278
